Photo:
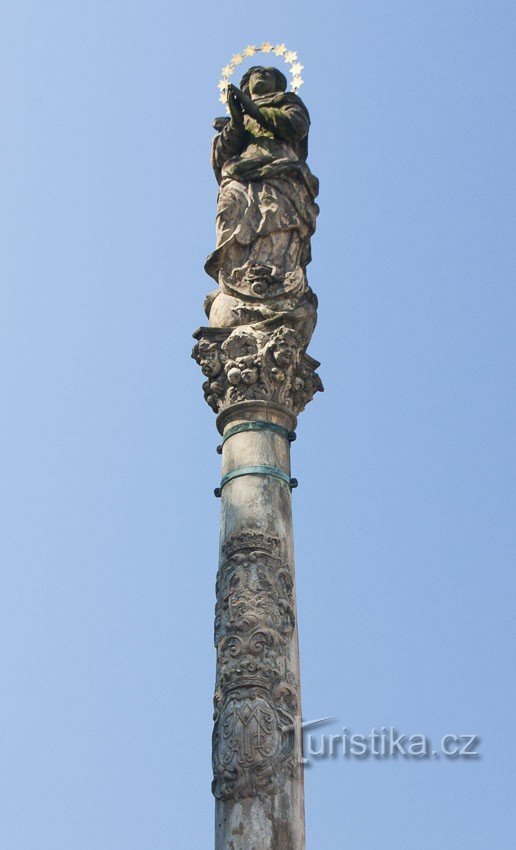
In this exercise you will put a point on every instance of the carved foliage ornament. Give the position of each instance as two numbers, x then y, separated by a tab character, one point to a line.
255	698
248	364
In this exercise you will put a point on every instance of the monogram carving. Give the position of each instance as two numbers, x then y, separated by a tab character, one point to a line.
255	697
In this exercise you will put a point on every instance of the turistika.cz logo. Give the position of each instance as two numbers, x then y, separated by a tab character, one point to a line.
385	742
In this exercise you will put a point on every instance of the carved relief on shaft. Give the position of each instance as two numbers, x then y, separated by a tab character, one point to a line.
256	691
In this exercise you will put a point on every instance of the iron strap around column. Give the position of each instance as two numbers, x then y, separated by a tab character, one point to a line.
257	425
256	470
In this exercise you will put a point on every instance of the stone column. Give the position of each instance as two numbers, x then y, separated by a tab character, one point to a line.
258	779
259	377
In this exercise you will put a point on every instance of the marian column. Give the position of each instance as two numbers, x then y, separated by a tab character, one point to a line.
258	379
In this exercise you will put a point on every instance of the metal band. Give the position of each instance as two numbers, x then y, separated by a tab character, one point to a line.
256	470
257	425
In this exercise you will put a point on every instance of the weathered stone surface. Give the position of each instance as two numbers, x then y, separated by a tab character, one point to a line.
253	354
256	697
250	363
258	778
263	312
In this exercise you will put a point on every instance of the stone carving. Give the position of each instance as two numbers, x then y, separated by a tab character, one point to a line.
263	312
256	691
251	363
254	741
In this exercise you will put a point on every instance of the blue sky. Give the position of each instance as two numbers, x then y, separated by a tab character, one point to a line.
405	511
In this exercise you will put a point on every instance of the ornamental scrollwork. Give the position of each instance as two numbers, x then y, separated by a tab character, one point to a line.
249	364
256	691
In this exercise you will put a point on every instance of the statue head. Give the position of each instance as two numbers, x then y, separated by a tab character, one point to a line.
258	81
285	346
207	355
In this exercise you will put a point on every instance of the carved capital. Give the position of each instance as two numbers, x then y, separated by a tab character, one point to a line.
250	363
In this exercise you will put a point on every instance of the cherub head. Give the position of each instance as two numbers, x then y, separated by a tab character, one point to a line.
207	355
285	346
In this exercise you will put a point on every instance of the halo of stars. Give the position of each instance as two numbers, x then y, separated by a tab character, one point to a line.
290	57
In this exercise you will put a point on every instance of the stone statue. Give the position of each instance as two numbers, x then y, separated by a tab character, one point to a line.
266	216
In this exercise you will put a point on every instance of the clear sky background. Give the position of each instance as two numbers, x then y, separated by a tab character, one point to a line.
404	513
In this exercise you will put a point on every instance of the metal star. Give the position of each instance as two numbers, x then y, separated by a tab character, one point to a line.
290	56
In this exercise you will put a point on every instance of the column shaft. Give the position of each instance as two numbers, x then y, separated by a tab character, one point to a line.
258	779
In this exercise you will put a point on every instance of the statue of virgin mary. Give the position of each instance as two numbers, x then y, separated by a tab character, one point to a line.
266	209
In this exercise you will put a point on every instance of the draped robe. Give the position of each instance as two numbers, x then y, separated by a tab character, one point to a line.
266	204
